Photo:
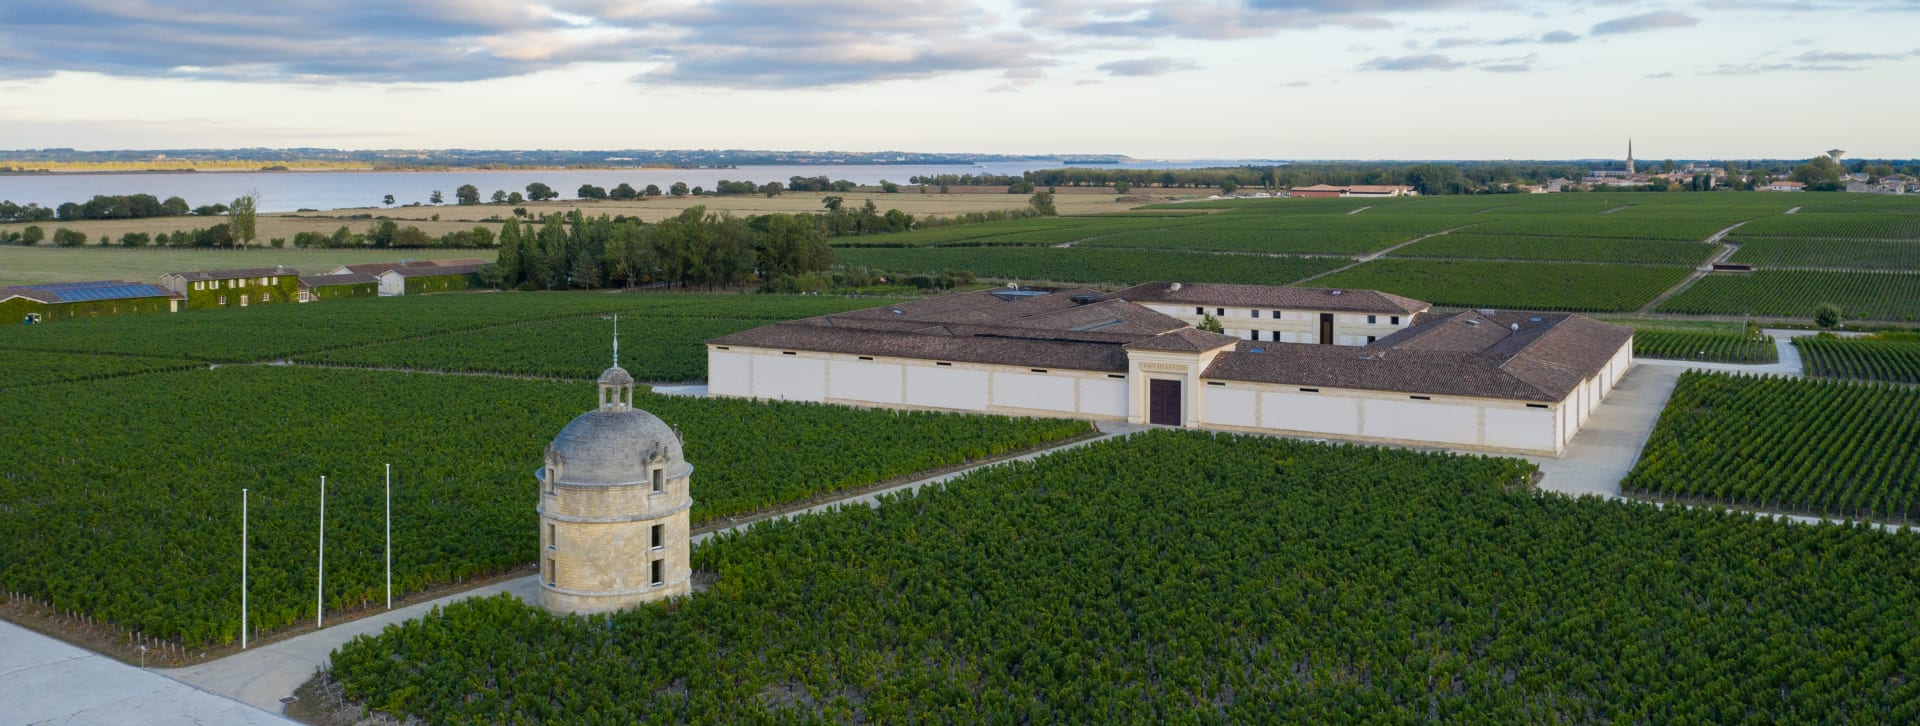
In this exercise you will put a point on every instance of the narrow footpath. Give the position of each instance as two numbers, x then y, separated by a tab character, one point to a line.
262	676
1726	250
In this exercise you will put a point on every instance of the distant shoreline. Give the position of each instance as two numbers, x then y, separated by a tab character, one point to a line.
368	170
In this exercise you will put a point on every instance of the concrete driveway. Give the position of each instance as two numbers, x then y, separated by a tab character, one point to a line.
1607	447
45	681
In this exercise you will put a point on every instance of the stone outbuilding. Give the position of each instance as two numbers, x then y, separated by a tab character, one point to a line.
614	526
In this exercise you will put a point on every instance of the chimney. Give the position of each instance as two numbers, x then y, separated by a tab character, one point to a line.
1175	287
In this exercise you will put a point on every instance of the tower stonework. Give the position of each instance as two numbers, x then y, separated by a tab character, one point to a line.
1630	156
614	525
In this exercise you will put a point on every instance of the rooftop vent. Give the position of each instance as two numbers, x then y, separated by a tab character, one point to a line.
896	311
1335	292
1256	350
1473	322
1534	319
1515	327
1175	287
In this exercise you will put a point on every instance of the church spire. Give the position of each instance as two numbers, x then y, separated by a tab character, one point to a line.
616	316
1629	154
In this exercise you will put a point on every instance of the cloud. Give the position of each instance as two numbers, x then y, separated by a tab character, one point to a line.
1662	74
1559	36
1209	19
1645	22
1145	66
1817	56
1754	69
1506	68
1430	62
1814	61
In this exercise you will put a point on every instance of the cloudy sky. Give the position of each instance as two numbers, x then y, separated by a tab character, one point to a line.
1151	78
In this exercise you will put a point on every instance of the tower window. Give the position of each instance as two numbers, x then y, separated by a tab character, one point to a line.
659	535
553	537
659	480
659	573
552	579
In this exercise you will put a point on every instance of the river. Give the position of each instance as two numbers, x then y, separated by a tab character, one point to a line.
292	191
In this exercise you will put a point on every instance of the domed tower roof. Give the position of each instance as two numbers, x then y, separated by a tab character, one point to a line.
614	444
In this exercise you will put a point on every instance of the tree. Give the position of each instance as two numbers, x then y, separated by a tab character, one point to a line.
63	237
437	198
1211	324
1228	184
499	196
1119	187
771	189
515	198
832	202
589	191
539	192
889	187
240	220
624	192
32	235
652	190
1042	204
1827	316
387	200
174	207
135	239
679	189
468	194
1020	187
210	210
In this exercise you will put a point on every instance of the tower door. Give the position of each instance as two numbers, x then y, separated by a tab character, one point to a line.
1163	402
1326	328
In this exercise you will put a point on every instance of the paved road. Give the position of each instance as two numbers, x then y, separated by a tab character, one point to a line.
265	674
45	681
1609	444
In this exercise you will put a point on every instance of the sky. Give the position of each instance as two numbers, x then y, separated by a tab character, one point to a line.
1154	79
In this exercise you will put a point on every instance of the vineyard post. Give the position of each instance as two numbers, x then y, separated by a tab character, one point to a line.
243	569
389	536
320	572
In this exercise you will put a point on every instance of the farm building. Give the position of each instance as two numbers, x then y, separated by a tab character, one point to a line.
1282	314
205	289
1785	186
314	288
374	269
1489	381
68	300
421	279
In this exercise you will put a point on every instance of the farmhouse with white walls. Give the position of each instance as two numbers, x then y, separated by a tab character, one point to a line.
1348	364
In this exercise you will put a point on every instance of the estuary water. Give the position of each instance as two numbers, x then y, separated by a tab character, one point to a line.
291	191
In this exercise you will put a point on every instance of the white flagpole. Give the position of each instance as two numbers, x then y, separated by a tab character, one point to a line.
389	536
243	569
320	574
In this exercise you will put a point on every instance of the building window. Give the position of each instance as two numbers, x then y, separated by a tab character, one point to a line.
1421	398
1255	334
659	573
223	299
1199	311
1536	405
659	533
1370	340
1395	320
553	580
266	297
1220	312
1256	313
1371	319
553	537
659	480
1276	315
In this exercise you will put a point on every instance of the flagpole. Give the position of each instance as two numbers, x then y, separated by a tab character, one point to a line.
243	569
389	536
320	574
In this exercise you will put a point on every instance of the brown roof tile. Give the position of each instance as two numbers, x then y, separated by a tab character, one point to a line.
1264	296
1185	340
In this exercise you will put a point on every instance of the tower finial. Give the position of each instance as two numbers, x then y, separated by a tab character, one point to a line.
616	340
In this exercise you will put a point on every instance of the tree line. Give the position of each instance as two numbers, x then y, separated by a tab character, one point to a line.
106	206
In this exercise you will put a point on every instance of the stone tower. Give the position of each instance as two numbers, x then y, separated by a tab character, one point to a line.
613	508
1629	156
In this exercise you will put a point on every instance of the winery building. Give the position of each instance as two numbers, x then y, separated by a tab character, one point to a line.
1478	380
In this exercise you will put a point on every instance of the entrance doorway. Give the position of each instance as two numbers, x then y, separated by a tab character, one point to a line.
1163	402
1326	328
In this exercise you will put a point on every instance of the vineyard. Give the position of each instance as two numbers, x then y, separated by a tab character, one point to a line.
657	348
1705	347
1291	234
1859	295
1786	444
1522	285
1894	359
122	497
1578	249
1329	584
27	367
1091	266
1849	225
1780	252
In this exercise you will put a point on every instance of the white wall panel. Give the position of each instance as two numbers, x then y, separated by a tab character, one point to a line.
1311	412
1220	406
942	387
858	380
790	378
1435	421
1033	391
727	373
1520	428
1103	397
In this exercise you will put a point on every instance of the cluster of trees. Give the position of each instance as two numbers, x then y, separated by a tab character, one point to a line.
469	194
106	206
694	248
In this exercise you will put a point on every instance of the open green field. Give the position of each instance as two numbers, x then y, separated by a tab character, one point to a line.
122	496
1786	444
1513	285
29	265
1314	583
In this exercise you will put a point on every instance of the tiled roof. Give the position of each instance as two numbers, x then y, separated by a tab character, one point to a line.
1184	340
437	270
1263	296
235	274
960	348
349	278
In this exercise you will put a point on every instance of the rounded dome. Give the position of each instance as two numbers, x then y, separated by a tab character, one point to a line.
614	447
616	376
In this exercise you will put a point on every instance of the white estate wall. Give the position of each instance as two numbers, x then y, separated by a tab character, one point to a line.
911	383
1485	424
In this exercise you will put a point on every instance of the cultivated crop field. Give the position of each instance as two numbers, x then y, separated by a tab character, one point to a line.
31	367
1092	266
122	497
1890	358
1786	444
1517	285
1893	296
1787	252
1705	347
1473	245
1442	590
